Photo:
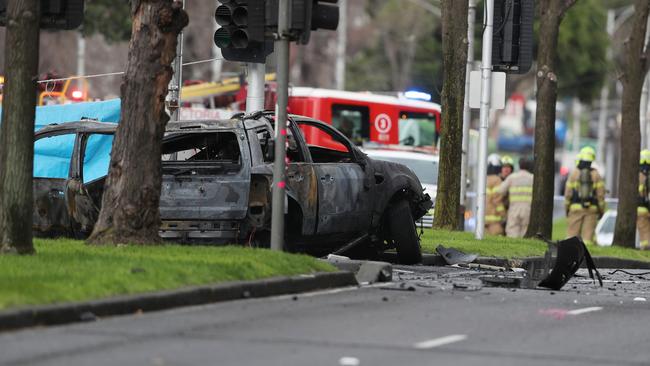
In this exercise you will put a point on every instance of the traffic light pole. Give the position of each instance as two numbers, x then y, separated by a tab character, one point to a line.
467	112
279	184
174	99
255	91
486	89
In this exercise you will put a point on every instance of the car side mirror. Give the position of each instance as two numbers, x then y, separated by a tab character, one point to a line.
270	150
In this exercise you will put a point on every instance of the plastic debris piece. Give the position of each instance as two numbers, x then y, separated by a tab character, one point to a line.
455	256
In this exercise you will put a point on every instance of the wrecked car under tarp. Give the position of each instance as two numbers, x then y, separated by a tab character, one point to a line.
216	186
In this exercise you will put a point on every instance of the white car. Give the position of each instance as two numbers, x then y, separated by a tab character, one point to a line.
424	165
605	230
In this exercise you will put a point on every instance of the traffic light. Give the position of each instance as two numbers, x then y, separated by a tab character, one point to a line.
512	48
306	16
241	36
55	14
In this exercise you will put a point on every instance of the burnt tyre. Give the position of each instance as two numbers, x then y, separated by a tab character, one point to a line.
404	234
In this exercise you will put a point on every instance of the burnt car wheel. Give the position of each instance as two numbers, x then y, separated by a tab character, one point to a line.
404	233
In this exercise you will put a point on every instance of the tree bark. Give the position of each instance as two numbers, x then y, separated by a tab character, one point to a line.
551	14
634	70
454	53
129	212
17	131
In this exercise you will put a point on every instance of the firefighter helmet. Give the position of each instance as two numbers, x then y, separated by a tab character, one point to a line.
645	157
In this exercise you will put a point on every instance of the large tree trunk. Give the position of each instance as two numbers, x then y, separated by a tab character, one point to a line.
17	131
634	70
541	219
454	53
129	212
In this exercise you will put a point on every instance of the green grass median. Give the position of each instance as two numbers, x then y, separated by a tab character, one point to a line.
68	270
499	246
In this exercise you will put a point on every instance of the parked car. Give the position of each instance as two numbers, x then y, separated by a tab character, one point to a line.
216	186
423	164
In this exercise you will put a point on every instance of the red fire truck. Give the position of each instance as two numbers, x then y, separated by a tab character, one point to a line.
362	116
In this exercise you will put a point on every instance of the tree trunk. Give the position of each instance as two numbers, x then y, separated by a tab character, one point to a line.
129	212
454	53
541	219
634	70
17	131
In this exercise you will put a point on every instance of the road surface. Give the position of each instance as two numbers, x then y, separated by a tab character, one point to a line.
427	316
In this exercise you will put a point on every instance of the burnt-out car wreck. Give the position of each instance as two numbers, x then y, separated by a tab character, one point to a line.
216	186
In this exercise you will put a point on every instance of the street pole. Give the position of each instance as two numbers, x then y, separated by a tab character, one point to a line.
217	62
281	120
644	97
604	98
341	44
576	110
486	89
174	98
467	112
81	60
255	92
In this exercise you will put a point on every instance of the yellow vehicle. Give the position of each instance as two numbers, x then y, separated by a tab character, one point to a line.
64	93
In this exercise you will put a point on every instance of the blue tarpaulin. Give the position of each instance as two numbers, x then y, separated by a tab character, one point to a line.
52	155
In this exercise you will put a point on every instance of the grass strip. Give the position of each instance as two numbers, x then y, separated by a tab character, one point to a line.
68	270
502	247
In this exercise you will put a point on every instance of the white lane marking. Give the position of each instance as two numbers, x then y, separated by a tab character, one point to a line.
437	342
639	299
349	361
584	310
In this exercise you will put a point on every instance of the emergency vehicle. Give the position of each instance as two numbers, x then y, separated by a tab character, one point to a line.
361	116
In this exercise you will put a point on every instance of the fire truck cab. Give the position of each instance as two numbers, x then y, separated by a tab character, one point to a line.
364	117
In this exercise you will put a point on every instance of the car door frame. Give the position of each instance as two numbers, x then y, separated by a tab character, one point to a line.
362	206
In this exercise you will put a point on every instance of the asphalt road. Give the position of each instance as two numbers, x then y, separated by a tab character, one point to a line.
428	316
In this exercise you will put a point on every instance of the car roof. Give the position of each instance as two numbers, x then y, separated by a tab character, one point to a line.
78	126
402	154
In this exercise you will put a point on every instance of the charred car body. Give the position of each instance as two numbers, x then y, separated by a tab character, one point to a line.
216	186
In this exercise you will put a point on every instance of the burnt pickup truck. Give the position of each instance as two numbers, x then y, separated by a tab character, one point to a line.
216	186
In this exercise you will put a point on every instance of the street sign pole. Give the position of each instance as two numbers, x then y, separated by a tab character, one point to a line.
255	91
279	183
174	97
467	112
486	88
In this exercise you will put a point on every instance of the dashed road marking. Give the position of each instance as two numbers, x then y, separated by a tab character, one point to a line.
584	310
437	342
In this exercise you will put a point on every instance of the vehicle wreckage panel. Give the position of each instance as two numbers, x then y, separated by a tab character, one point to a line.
50	212
206	176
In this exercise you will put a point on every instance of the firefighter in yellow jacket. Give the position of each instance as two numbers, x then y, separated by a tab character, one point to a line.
518	189
584	197
495	212
642	214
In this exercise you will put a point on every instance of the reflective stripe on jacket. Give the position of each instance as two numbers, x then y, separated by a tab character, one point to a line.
573	184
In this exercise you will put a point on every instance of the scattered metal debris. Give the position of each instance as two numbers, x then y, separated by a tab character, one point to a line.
570	255
454	256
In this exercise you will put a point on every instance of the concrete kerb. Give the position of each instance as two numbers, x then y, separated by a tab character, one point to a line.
197	295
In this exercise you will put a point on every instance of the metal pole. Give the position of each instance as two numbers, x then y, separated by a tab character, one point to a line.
341	45
279	183
217	63
174	99
486	89
604	99
644	96
644	114
467	112
81	59
255	92
576	109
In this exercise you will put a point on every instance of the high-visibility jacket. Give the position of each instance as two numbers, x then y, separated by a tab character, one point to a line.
596	203
518	188
495	210
644	205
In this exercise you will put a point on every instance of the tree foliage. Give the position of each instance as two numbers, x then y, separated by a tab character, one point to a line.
582	47
110	18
